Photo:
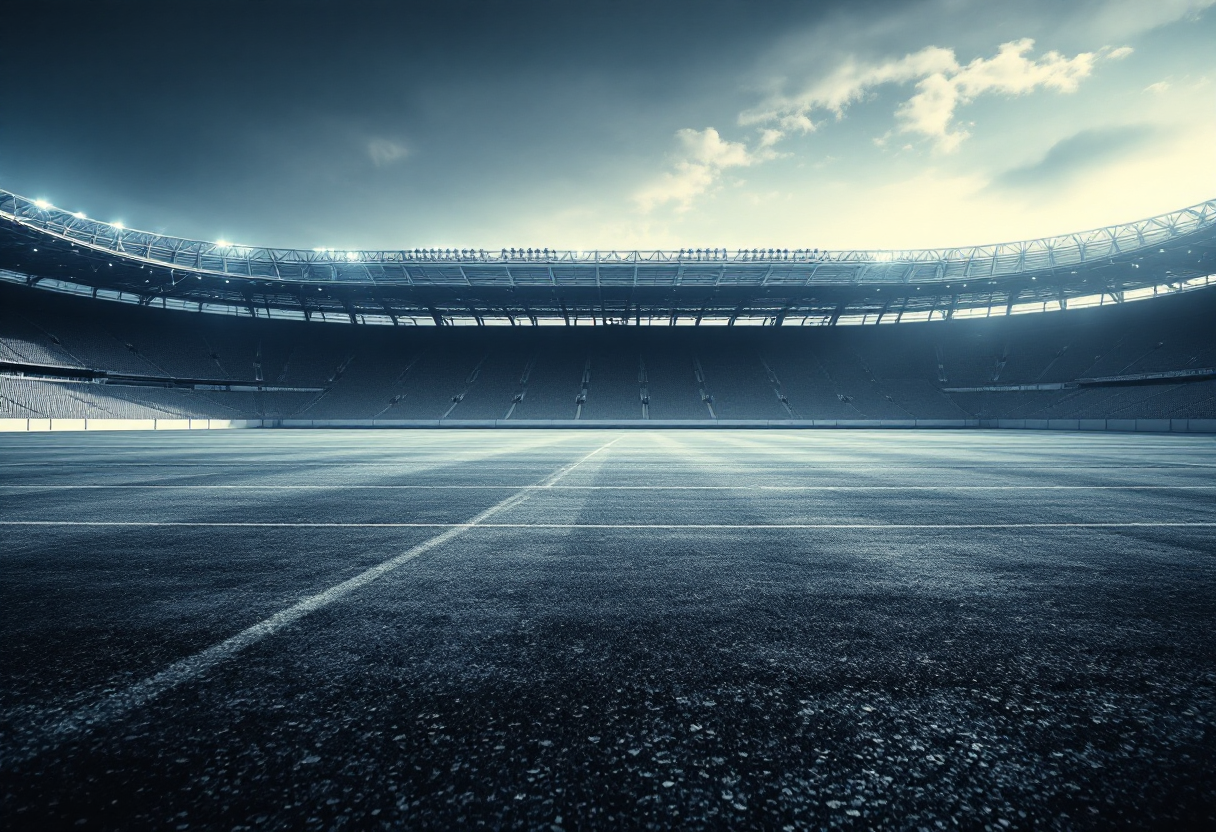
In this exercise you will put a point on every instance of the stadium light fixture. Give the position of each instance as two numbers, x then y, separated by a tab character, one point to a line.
42	204
79	215
118	225
223	244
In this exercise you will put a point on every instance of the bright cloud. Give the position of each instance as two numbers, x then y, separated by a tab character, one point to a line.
704	156
847	84
924	94
930	112
942	86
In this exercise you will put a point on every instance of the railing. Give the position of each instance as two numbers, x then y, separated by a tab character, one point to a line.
805	264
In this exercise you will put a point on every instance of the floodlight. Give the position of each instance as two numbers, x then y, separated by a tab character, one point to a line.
79	215
223	244
118	225
42	203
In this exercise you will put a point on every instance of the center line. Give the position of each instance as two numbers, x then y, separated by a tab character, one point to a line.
122	702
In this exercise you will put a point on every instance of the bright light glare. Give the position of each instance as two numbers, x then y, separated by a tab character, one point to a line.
118	225
223	244
79	215
42	203
352	255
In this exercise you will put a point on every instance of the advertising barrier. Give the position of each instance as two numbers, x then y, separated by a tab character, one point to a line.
1128	425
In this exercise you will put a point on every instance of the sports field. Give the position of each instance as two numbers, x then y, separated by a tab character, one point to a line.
585	629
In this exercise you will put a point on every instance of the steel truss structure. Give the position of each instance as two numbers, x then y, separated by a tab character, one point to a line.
39	242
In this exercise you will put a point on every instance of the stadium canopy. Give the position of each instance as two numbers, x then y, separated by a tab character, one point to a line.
42	245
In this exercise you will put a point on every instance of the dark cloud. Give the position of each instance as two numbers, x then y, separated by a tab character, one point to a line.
1078	154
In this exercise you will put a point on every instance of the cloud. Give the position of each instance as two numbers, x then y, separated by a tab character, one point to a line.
704	155
1158	88
385	152
845	85
768	138
931	111
1078	154
942	86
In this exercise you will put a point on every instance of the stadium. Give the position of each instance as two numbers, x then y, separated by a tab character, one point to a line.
618	550
435	512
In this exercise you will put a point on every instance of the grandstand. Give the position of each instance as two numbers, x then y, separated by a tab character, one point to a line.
61	359
1105	328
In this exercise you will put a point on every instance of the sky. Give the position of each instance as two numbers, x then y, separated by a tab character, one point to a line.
611	124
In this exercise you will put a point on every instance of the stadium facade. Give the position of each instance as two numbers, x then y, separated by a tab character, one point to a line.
699	336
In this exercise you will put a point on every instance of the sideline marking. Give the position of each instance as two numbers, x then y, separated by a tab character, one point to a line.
346	487
121	702
814	462
475	522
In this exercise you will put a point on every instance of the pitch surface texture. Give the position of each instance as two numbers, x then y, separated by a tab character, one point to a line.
584	629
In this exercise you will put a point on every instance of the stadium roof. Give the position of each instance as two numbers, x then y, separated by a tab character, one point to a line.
41	244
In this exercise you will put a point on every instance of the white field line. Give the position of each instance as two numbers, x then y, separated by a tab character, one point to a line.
505	504
75	466
513	487
755	462
122	702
